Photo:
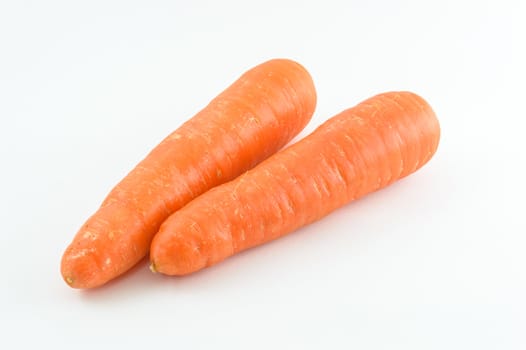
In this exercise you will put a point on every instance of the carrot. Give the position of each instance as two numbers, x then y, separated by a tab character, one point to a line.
356	152
249	121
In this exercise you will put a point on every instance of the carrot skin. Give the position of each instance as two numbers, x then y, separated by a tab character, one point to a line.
249	121
360	150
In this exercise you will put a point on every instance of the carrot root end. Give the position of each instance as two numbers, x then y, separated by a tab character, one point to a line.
152	267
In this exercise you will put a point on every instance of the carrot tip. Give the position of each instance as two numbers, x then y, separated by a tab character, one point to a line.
152	267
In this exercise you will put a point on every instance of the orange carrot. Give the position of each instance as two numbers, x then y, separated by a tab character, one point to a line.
356	152
249	121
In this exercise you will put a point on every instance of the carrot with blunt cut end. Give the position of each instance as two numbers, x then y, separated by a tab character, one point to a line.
358	151
249	121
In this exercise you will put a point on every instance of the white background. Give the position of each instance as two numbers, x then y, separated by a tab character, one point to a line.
436	261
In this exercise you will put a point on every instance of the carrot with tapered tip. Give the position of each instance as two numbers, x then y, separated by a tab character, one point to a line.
356	152
253	118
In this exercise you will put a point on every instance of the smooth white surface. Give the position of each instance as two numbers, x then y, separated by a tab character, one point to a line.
437	261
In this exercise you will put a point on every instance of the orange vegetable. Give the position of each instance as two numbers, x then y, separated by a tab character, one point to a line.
249	121
356	152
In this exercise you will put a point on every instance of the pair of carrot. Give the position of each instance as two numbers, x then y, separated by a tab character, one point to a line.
199	197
